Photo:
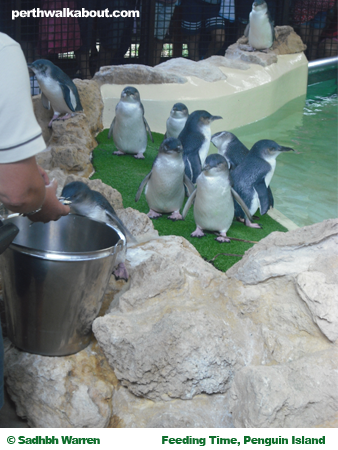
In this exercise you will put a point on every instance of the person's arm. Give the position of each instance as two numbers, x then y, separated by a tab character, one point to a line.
23	189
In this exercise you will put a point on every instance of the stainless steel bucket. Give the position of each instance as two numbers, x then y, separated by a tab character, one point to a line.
54	279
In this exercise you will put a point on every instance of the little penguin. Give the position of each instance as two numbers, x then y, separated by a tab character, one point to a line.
176	121
234	151
229	146
129	127
213	199
86	202
57	90
165	184
195	138
252	178
260	29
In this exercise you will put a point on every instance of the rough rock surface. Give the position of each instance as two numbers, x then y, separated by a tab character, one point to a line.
292	395
200	69
188	342
69	392
286	42
70	142
135	74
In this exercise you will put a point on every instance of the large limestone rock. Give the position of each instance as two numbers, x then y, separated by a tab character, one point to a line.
187	342
201	69
135	74
298	394
286	42
70	142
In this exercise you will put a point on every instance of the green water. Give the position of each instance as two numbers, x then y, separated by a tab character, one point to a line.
304	185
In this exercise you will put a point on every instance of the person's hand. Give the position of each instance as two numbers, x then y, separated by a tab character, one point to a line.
44	175
52	208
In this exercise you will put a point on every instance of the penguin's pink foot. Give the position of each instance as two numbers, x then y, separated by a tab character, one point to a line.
153	214
55	117
251	225
66	116
175	216
222	238
118	153
197	233
139	156
121	272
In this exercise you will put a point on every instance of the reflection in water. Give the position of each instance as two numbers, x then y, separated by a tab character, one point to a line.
305	182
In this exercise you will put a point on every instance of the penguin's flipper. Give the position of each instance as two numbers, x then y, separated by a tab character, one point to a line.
148	129
263	196
187	206
246	31
193	166
241	204
110	132
143	183
69	97
188	184
271	200
45	101
120	225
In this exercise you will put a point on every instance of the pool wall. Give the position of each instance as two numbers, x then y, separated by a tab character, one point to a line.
244	97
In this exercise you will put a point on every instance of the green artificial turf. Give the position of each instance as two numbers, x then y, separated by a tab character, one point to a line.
125	174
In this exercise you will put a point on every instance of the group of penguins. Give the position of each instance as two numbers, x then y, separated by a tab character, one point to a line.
232	183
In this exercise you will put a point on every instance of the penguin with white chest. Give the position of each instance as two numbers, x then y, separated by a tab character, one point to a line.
86	202
195	138
213	199
253	176
165	184
129	127
177	120
260	29
58	90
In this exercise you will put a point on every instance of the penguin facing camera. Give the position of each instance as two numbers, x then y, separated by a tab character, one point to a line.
260	29
234	151
129	127
86	202
195	138
176	121
57	90
252	178
165	183
213	199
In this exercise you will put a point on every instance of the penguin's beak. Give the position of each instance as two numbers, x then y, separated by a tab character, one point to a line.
212	118
286	149
206	168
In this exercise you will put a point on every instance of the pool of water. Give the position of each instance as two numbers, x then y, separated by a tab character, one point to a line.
304	185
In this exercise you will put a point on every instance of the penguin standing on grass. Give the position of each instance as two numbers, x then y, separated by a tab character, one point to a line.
213	199
195	138
57	90
129	127
252	179
177	120
165	183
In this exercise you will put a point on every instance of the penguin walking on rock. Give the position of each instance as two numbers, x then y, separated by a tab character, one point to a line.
129	127
260	29
57	90
195	138
165	184
253	176
86	202
213	199
177	120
